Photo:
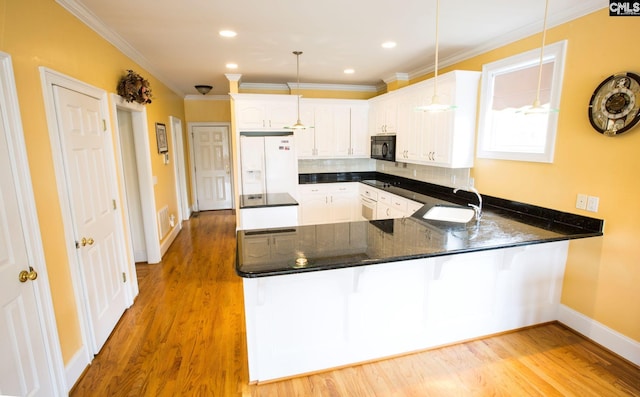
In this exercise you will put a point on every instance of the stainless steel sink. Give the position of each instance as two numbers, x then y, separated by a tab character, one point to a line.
447	213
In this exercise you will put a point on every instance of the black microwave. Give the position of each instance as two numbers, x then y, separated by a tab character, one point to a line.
383	147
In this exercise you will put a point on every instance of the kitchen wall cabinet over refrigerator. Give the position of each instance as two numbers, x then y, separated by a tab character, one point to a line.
257	112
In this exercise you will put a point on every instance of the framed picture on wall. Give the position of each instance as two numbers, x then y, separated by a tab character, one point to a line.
161	138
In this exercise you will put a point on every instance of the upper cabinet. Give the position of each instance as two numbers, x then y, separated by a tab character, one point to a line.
383	113
257	112
445	138
335	129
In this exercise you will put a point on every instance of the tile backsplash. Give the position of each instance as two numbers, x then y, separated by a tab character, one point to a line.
336	165
452	177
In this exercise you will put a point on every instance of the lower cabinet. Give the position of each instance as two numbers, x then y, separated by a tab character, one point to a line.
328	203
340	202
391	206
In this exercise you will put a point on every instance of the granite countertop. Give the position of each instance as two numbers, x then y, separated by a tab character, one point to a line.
266	200
503	224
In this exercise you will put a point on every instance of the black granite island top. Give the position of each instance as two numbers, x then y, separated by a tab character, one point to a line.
273	252
504	223
266	200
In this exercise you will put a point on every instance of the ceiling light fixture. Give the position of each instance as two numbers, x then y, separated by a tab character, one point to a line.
228	33
537	108
298	125
203	89
232	66
349	71
435	105
389	44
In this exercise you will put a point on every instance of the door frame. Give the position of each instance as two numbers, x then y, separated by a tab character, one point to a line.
192	169
179	166
51	78
145	179
30	224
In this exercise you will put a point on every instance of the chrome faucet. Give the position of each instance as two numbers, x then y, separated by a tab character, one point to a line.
476	208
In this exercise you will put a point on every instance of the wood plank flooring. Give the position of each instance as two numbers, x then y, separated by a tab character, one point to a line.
184	336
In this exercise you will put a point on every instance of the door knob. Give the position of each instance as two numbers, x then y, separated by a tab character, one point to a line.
24	275
84	242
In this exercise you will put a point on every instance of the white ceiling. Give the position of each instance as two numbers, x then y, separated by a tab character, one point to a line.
178	40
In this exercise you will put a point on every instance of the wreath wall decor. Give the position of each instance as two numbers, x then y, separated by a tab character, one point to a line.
134	88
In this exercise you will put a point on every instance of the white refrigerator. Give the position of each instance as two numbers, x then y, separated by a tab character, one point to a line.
268	164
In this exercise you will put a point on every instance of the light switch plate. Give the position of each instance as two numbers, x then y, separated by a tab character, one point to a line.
592	203
581	201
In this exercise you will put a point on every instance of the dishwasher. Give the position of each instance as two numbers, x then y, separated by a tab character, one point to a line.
368	203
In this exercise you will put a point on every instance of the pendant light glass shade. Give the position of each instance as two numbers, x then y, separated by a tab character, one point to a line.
536	107
298	124
436	105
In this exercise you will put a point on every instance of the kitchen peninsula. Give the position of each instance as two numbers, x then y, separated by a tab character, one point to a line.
325	296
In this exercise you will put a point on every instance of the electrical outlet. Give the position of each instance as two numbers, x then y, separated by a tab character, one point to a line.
581	201
592	203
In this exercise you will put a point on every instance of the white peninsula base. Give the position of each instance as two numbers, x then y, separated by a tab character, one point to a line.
307	322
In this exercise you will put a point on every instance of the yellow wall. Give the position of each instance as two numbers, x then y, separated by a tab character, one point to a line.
41	33
603	274
203	110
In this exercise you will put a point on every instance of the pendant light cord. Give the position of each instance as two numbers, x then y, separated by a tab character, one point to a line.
435	74
536	103
298	76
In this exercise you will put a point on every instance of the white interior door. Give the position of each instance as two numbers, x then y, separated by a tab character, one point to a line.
212	167
90	176
26	368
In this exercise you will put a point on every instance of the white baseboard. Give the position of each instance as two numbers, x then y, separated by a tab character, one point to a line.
616	342
76	366
169	240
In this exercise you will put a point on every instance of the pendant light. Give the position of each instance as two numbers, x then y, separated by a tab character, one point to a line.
436	105
536	108
298	125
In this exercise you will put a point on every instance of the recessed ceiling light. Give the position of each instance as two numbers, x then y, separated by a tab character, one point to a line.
232	66
388	44
349	71
228	33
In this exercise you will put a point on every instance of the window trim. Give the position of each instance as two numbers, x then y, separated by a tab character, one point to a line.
556	53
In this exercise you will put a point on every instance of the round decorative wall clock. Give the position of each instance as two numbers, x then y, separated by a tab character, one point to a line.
613	108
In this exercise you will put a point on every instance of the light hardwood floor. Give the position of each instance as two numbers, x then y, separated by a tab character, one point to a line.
184	336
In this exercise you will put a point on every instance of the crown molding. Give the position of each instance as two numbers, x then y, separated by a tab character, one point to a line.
92	21
264	86
333	87
396	77
584	8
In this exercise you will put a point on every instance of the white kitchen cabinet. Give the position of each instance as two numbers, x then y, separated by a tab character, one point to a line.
258	112
383	113
444	139
360	144
391	206
335	129
328	202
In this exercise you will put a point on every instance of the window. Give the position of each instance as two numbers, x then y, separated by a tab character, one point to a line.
506	130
